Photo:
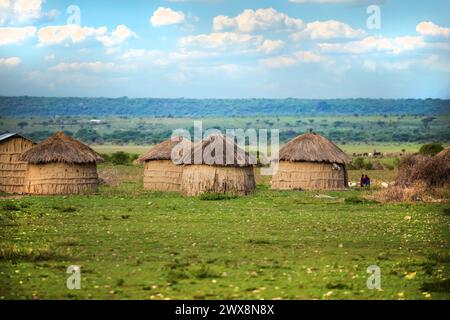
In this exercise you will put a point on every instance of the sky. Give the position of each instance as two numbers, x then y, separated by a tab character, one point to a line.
225	48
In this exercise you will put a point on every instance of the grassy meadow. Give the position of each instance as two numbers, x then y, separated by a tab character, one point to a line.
134	244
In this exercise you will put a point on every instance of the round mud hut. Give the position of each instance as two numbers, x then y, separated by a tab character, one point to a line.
61	165
217	165
13	171
161	173
311	162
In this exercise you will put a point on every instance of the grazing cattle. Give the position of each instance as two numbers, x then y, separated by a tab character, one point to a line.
384	185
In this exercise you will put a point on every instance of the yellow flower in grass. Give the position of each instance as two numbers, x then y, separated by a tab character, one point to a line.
410	275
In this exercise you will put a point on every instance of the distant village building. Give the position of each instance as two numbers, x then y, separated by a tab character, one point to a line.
209	176
61	165
311	162
160	172
12	171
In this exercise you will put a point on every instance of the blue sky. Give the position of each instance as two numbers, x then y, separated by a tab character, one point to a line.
225	49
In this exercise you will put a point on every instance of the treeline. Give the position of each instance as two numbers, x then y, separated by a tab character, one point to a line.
91	136
46	106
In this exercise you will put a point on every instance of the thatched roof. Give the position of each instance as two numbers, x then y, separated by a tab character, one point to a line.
163	151
313	147
444	154
61	148
217	142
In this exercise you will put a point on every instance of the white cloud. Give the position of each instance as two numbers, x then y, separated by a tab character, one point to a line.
16	35
429	62
430	29
51	35
10	62
97	66
121	34
166	16
223	41
269	46
339	1
161	58
328	30
298	57
375	44
23	11
257	20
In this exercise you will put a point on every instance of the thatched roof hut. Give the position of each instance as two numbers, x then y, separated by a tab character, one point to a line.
61	165
311	162
12	171
217	165
161	173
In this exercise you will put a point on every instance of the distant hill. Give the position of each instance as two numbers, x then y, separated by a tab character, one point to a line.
42	106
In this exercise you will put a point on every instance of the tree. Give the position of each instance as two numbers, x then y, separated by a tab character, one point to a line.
22	124
87	135
120	158
431	149
358	163
427	121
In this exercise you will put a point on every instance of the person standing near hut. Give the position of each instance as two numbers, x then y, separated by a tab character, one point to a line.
367	181
362	182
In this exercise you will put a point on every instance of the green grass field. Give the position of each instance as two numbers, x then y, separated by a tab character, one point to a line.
133	244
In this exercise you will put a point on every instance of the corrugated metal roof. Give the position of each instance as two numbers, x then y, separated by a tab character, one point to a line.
8	135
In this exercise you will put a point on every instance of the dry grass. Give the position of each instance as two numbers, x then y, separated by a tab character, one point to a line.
199	179
163	151
432	171
12	171
214	150
313	148
63	149
17	253
61	178
420	178
309	176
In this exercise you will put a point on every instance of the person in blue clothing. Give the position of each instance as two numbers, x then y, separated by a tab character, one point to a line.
367	181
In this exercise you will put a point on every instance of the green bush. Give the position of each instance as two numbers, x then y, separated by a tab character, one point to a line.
120	158
133	157
358	163
368	165
431	149
106	157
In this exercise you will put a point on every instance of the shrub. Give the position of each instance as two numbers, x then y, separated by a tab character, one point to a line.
65	209
376	165
9	206
432	171
120	158
358	163
368	165
106	157
431	149
134	157
358	200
